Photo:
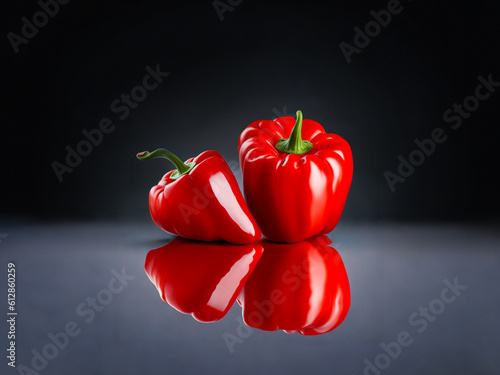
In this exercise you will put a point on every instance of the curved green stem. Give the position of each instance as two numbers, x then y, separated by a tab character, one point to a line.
182	168
295	144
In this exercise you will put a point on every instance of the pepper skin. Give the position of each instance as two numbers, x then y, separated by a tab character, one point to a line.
201	200
301	287
199	278
294	188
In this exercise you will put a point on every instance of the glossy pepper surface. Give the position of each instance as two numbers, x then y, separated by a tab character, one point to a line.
300	287
201	200
199	278
296	177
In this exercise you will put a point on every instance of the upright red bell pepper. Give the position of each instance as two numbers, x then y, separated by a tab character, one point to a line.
294	188
199	278
300	287
201	200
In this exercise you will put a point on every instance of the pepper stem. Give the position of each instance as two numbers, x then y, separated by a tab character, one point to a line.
182	168
295	144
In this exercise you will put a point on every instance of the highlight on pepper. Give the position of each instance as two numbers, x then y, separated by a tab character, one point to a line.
200	200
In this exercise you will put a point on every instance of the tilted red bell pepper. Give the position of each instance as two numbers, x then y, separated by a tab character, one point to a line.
294	188
300	287
199	278
201	200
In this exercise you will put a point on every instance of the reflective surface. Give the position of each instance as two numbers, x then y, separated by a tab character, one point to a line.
65	274
301	287
201	279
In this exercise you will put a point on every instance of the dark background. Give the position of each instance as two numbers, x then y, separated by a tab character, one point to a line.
224	75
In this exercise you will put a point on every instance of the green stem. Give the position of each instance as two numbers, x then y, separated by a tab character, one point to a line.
182	168
295	144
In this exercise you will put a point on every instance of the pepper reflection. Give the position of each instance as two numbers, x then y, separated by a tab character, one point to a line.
201	278
301	287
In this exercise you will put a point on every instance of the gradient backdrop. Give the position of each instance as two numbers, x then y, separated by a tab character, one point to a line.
255	60
261	60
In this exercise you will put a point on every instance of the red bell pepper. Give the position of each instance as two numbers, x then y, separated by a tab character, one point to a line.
301	287
201	200
199	278
294	188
